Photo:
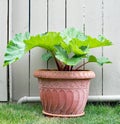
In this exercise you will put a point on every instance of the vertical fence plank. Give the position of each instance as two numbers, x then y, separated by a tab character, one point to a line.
10	36
93	27
56	19
87	12
75	14
111	75
3	42
20	69
38	25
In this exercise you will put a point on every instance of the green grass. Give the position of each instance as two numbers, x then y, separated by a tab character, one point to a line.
31	114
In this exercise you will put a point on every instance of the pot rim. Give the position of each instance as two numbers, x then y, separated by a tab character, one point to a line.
55	74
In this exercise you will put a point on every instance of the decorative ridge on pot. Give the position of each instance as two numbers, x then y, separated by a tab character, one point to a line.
52	74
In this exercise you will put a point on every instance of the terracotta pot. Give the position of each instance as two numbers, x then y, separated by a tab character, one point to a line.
64	93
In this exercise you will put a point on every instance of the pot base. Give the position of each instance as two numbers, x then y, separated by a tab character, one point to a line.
63	116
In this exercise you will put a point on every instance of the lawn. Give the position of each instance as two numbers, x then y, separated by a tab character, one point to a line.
31	114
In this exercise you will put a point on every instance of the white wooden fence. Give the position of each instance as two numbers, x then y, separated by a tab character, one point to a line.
92	16
3	42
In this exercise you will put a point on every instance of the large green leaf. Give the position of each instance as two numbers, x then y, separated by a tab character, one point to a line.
101	41
46	56
70	33
90	42
92	58
74	35
78	47
61	45
47	41
74	60
62	55
75	39
103	60
15	48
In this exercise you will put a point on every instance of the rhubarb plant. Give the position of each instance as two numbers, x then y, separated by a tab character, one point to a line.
68	48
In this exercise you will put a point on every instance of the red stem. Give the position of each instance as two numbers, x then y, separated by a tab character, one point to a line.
66	68
71	68
81	66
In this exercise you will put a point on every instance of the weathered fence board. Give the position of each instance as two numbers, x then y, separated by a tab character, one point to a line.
3	42
38	25
93	26
20	69
111	73
56	19
75	14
